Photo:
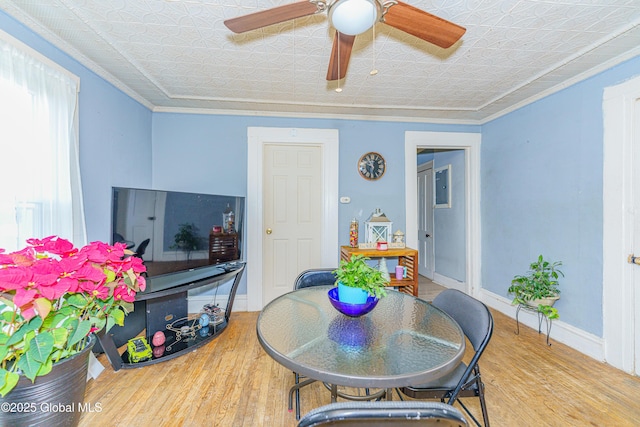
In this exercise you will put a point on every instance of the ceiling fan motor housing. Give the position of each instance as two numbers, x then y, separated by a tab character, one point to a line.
353	17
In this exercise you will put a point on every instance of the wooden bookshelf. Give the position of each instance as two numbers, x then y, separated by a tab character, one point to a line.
407	257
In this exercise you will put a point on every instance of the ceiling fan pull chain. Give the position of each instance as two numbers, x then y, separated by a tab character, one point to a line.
294	59
338	89
374	71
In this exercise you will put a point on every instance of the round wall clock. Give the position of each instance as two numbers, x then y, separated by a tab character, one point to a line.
372	166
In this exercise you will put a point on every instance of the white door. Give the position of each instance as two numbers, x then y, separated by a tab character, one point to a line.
621	225
292	207
636	234
257	139
425	221
141	207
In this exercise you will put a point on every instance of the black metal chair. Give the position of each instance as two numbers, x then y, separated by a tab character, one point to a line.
465	381
142	248
371	414
307	279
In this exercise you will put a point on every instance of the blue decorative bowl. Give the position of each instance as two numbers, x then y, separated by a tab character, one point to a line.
352	310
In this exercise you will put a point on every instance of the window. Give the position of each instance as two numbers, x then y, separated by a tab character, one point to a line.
442	185
39	169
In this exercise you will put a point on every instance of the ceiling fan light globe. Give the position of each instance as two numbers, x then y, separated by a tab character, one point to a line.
353	17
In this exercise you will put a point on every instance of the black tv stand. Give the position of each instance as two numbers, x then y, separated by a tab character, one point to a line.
166	311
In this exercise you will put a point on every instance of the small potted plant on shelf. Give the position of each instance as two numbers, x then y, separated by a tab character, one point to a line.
53	297
356	280
539	287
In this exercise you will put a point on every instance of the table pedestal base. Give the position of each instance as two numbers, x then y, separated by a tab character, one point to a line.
335	393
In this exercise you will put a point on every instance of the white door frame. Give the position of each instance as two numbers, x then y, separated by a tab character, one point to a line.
470	142
257	138
617	274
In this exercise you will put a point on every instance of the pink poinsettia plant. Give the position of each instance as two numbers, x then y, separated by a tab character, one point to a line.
53	296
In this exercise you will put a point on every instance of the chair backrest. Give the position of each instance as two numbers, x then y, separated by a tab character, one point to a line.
471	314
371	414
476	322
315	277
142	247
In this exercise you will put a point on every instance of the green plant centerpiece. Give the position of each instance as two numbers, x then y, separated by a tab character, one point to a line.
539	287
357	274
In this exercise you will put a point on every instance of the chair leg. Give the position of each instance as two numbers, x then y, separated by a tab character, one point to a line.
297	398
483	403
469	412
399	394
296	389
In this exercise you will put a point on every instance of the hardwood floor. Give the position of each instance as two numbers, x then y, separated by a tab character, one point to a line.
232	382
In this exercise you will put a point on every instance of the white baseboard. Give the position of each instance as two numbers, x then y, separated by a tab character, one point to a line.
575	338
449	283
197	302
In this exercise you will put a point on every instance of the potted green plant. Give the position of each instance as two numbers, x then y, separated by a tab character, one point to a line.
53	297
356	274
187	239
539	287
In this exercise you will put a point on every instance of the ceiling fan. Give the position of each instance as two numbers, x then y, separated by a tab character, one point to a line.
353	17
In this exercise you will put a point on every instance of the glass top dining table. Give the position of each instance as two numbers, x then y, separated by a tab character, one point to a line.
403	341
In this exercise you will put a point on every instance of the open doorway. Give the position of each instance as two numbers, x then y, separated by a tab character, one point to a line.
469	144
441	201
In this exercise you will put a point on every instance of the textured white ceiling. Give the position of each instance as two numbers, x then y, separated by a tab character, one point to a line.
178	54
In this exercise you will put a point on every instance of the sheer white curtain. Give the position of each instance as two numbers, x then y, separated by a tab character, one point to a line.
40	191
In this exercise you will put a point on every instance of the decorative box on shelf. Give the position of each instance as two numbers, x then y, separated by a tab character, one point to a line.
371	245
223	247
374	245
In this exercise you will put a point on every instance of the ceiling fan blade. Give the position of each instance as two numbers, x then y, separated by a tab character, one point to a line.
340	54
423	25
271	16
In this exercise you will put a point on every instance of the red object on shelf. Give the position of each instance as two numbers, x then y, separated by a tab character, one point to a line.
382	246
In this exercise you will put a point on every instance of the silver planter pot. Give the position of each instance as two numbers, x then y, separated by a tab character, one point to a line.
550	301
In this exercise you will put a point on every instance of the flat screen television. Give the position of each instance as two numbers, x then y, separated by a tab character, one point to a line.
182	237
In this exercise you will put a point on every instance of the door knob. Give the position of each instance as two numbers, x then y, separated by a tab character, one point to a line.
269	231
427	235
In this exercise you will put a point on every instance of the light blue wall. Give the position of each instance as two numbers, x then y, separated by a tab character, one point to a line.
115	133
542	194
208	153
